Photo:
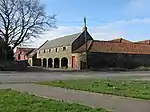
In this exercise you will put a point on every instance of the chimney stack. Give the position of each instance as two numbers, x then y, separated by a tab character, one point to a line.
148	42
84	28
121	40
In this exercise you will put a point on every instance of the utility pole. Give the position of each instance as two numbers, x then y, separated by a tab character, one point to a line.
85	36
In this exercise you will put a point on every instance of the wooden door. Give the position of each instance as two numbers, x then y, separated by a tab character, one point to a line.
73	61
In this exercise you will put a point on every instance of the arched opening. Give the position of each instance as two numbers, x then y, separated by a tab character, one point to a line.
64	62
50	63
56	63
44	62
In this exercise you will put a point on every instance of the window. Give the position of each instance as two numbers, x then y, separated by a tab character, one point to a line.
64	48
44	51
56	49
39	52
49	50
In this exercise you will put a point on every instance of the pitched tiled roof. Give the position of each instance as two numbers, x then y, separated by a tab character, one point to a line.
25	50
111	47
120	40
63	41
143	42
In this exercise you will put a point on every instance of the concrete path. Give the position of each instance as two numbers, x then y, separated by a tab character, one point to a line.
27	77
113	103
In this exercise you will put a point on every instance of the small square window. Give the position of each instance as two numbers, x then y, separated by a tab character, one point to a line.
49	50
64	48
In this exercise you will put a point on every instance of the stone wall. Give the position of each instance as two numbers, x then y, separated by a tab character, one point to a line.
104	60
80	58
51	53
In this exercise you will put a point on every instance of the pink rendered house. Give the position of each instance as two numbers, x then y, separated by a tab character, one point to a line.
22	53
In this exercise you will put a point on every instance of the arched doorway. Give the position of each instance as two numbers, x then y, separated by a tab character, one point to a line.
50	63
64	62
44	62
56	63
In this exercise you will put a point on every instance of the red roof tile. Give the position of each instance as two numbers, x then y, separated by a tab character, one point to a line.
143	42
120	40
25	50
111	47
82	48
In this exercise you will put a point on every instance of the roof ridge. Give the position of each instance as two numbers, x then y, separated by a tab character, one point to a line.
64	36
114	42
26	47
100	41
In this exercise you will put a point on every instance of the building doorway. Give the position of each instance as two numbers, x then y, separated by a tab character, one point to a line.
64	62
73	61
44	62
56	63
50	65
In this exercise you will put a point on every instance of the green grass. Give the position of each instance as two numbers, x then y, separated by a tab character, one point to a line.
12	101
127	88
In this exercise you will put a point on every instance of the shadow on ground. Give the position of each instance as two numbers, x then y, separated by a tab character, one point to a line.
41	69
110	70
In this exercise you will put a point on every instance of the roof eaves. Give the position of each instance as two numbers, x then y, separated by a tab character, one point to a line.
42	45
29	51
90	45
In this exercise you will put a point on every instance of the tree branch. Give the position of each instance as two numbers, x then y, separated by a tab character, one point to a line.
21	20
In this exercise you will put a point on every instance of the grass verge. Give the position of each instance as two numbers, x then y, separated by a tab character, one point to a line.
127	88
12	101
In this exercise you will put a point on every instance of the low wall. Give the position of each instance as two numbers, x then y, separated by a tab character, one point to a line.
104	60
13	65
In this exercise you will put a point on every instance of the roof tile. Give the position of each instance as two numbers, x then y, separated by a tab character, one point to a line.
111	47
120	40
58	42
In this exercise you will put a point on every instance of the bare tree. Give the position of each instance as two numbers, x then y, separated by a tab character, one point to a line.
21	20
